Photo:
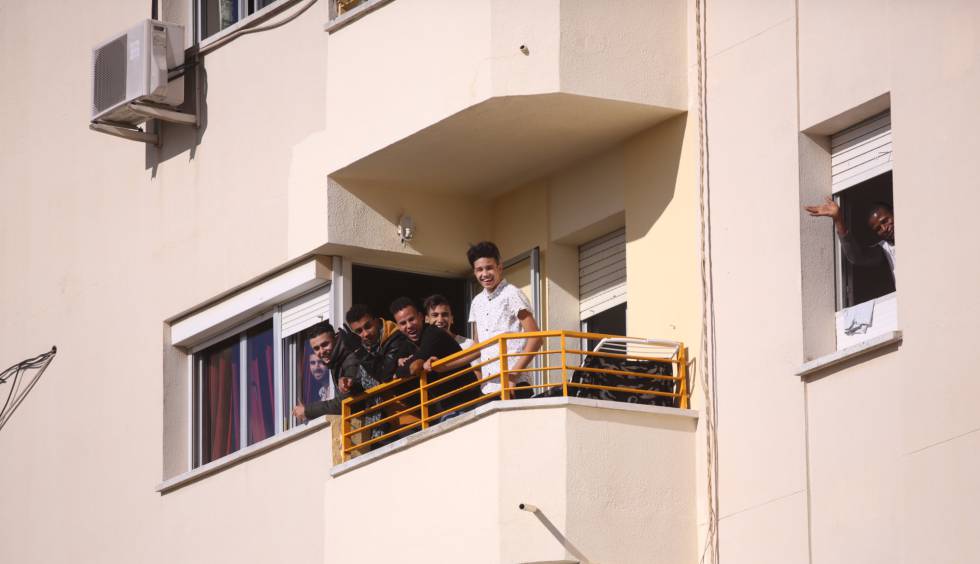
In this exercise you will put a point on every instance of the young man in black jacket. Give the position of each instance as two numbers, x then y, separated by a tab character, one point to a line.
430	341
332	348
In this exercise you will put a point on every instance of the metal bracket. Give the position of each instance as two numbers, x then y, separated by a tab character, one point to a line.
163	114
126	133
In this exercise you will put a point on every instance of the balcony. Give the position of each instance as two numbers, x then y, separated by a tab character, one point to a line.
484	95
612	481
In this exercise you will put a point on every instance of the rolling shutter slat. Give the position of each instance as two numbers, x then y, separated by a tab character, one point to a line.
306	311
861	152
602	274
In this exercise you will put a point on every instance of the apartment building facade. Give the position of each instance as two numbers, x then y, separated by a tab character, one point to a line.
643	166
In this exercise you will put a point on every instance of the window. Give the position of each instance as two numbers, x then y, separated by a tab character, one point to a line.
242	393
216	15
235	376
861	178
248	361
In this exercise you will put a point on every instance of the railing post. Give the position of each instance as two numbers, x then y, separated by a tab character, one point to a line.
344	429
564	367
424	397
504	366
682	371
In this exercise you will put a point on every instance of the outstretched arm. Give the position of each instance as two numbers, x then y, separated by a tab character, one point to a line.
853	251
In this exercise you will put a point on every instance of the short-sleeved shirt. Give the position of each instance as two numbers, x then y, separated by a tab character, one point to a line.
495	313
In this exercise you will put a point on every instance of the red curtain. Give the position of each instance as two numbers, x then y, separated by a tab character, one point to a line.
221	401
261	392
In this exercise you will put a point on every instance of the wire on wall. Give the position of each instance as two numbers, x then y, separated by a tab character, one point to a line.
20	383
707	373
257	29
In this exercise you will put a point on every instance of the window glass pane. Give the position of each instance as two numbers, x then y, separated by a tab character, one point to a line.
312	379
219	418
261	383
217	15
228	12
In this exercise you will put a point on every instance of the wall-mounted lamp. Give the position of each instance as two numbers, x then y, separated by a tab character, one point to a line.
406	228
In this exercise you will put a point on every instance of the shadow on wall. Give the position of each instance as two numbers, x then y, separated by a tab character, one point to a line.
176	139
653	165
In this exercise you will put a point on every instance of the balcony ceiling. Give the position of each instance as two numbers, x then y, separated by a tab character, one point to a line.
499	144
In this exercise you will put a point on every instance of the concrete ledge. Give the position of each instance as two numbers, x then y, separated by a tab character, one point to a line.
247	453
494	407
845	354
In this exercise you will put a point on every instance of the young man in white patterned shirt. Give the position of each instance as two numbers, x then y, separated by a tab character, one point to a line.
500	308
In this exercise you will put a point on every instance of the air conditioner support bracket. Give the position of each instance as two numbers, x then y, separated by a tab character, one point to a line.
126	133
155	112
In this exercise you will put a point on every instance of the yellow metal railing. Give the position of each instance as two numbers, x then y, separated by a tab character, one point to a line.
404	405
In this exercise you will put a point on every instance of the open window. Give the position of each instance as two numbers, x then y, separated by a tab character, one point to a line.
861	168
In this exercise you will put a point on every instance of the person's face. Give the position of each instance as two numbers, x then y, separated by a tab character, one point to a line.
882	222
409	322
318	368
488	272
322	346
366	328
442	317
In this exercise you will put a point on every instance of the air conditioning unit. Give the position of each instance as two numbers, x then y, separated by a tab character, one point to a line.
133	68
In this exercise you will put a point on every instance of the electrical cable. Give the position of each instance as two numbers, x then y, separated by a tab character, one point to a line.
257	29
16	373
196	52
707	352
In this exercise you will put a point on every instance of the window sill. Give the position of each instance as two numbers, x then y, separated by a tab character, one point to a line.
247	453
353	15
849	353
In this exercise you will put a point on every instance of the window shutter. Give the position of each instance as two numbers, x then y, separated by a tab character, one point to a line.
306	311
602	274
861	152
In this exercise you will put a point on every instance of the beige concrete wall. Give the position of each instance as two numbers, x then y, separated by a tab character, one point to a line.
934	141
597	40
103	240
630	486
662	251
617	484
867	461
752	132
423	70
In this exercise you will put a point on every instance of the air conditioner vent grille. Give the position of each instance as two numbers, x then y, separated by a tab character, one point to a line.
110	75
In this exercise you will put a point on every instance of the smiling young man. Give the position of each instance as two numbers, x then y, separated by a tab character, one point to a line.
431	342
329	351
881	221
438	312
500	308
